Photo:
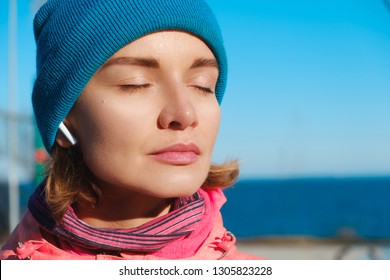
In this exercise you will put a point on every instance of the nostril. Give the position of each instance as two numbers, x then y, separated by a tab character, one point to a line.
177	116
175	125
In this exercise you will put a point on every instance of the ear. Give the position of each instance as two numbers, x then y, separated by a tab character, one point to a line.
62	141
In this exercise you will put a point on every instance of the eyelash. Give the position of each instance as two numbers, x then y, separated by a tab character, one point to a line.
205	89
133	88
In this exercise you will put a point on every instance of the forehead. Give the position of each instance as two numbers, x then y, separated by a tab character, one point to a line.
163	43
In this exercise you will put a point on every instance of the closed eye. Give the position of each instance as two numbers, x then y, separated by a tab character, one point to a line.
133	87
204	89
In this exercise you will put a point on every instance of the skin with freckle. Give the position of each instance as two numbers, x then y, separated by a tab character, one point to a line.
145	108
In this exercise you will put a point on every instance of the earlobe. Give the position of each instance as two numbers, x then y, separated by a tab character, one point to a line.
64	138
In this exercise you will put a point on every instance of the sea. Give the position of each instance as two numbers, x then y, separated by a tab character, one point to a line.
328	208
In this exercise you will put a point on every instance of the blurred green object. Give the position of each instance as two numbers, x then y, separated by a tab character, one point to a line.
40	156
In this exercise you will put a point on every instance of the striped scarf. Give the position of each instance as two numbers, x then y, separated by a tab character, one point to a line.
147	238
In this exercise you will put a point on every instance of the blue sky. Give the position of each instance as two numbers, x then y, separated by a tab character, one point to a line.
308	91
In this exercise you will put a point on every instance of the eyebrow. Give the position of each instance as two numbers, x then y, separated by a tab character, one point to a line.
137	61
153	63
204	62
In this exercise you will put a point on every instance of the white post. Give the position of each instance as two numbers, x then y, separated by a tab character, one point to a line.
13	178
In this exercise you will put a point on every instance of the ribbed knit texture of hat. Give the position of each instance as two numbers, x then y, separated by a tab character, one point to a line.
75	37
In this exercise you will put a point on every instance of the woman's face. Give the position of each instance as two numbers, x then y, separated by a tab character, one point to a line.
148	119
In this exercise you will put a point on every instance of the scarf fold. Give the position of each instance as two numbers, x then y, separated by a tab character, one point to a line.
150	237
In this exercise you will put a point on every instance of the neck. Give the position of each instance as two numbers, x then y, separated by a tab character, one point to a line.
123	209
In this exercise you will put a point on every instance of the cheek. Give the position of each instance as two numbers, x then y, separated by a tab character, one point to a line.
211	116
110	127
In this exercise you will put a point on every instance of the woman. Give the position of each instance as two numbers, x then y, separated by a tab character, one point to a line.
127	103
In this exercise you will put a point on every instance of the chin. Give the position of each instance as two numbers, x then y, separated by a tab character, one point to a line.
178	185
176	181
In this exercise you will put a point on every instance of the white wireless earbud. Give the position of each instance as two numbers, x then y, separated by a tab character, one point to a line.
67	134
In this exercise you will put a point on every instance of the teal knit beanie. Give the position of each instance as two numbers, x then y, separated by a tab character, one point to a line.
75	37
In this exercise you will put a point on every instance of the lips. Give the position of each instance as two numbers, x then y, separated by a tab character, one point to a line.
178	154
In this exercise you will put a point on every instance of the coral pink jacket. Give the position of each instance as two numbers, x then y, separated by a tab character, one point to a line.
27	242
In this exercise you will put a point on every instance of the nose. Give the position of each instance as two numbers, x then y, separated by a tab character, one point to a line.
178	113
